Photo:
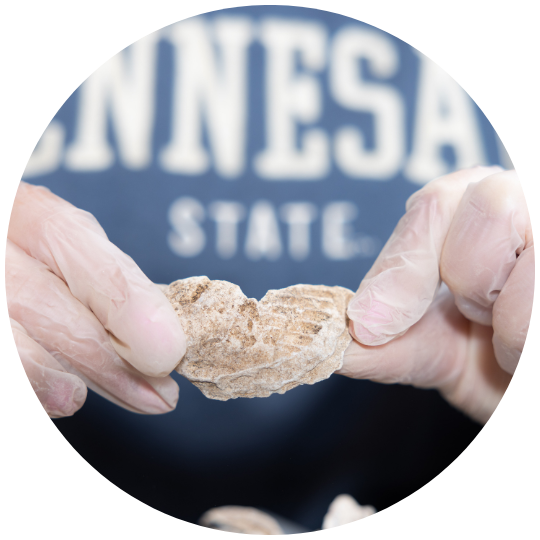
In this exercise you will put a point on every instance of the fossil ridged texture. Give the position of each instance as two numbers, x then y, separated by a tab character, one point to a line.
238	347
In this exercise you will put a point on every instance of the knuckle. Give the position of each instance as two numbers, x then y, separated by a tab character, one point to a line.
511	328
497	194
511	340
433	194
451	187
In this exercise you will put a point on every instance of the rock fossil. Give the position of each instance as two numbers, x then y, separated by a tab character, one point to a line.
238	347
344	509
244	519
240	519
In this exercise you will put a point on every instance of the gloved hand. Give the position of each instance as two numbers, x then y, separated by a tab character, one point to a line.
83	313
470	229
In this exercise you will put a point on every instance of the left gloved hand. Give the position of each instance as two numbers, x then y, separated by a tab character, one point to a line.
84	314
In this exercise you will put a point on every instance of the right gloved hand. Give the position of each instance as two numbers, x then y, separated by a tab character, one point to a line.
471	230
83	314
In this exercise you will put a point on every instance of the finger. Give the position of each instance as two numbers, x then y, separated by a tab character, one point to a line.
161	286
427	356
441	351
61	394
144	328
403	281
512	312
482	382
43	304
490	229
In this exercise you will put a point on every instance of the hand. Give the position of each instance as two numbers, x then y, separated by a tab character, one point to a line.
470	229
83	313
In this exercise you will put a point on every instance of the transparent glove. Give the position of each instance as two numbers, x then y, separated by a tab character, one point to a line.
471	231
83	313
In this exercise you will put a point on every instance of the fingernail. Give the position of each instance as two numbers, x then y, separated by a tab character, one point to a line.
170	393
169	342
67	395
160	407
376	313
506	355
155	397
79	394
363	335
369	317
154	406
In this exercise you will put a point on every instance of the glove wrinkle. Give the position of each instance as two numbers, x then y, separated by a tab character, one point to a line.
65	282
469	234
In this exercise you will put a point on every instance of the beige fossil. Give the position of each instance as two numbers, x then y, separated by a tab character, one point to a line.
238	347
344	509
244	519
240	519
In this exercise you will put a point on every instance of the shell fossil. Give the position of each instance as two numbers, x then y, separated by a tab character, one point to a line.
239	347
247	520
240	519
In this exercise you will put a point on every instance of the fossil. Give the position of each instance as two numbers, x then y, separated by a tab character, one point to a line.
240	519
344	509
244	519
239	347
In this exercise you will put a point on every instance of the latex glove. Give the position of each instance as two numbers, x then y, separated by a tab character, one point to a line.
472	230
84	314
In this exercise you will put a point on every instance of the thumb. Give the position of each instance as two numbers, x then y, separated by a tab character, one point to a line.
402	283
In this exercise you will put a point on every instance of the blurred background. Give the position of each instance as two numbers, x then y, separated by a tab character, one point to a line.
266	146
